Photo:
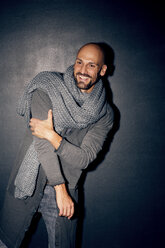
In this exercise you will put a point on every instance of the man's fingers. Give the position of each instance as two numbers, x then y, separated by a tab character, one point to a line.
61	211
50	115
67	211
71	212
64	211
32	123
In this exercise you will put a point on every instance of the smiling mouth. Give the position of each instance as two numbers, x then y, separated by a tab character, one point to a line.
83	78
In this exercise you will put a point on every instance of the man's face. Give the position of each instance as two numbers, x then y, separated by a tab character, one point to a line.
88	67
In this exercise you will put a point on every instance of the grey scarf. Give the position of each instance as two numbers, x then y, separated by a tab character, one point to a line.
71	109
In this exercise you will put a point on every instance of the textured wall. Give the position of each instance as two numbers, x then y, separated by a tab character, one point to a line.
124	195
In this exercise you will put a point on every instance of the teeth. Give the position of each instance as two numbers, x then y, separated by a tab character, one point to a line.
82	77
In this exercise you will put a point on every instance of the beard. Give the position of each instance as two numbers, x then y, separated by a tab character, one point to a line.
85	86
82	86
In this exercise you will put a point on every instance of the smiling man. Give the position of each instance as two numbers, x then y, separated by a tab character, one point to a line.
59	144
89	67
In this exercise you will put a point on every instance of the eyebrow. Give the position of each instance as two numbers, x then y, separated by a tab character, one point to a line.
91	62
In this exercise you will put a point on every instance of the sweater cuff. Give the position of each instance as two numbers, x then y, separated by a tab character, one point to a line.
56	183
63	141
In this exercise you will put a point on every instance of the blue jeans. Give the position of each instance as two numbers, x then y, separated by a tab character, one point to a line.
61	231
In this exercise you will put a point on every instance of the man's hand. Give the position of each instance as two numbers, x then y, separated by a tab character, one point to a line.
64	201
43	129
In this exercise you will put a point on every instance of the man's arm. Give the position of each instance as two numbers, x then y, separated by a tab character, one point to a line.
85	153
48	158
91	144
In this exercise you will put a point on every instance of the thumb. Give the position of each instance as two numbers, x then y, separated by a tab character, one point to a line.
50	115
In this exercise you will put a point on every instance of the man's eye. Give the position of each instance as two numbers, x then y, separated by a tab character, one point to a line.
93	66
79	62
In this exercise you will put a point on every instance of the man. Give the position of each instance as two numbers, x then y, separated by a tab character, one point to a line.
63	143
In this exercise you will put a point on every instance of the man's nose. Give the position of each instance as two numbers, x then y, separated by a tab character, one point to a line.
83	69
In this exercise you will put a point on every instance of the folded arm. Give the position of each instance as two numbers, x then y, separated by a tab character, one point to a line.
87	151
48	158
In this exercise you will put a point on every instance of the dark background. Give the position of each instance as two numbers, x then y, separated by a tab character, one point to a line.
124	195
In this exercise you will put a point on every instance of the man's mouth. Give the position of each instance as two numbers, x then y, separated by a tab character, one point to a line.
83	78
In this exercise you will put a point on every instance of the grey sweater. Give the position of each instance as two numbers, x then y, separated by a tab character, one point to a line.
77	150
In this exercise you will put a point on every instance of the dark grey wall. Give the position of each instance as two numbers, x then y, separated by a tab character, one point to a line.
124	195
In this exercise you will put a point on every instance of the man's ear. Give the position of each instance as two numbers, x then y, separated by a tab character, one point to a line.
103	70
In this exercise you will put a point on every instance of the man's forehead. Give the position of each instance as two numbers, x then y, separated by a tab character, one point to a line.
90	48
91	53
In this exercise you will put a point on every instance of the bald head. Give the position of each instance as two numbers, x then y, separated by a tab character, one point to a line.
94	50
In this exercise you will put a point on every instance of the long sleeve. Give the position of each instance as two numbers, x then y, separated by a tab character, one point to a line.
47	157
80	156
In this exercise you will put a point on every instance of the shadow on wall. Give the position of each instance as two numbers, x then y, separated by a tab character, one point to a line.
109	61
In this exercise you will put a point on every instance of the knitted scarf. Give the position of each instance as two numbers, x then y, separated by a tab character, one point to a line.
71	109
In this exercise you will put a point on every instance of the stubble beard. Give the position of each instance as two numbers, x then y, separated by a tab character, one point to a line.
82	86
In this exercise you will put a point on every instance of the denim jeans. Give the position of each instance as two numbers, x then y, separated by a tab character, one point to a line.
49	210
61	231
